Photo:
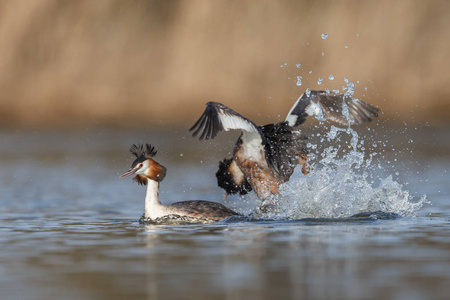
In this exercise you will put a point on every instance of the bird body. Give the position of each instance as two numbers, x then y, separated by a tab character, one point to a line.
150	173
267	155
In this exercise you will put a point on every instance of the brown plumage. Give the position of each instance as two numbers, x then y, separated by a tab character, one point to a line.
156	171
263	182
303	161
204	209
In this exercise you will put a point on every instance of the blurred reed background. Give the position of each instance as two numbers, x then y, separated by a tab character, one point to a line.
155	63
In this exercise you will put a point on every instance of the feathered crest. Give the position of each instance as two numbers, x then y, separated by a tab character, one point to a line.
141	180
139	150
225	180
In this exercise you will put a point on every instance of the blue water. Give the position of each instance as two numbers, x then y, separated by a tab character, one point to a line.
69	226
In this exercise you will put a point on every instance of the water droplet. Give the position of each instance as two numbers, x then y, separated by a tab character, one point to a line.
324	36
299	80
331	77
349	88
319	81
181	154
298	65
323	54
346	46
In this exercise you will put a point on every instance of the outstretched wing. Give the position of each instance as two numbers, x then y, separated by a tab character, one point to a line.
336	107
217	117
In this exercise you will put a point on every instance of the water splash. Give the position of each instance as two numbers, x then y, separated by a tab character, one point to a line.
348	88
341	184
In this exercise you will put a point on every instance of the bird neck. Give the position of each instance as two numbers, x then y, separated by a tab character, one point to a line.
152	202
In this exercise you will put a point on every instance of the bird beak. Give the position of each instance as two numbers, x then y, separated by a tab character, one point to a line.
225	196
128	173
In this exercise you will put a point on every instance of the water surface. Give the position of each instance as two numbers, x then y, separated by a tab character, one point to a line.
69	226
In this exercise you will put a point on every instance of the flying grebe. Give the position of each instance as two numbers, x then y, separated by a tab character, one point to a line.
265	156
149	172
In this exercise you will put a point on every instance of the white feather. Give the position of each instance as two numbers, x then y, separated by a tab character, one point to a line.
316	110
236	172
252	147
234	122
313	109
291	119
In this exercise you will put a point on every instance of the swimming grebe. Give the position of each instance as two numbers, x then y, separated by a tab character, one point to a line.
265	156
149	172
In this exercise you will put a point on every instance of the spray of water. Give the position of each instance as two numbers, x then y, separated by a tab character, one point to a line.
342	182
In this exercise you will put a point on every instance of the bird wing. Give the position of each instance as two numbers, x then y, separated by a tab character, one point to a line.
203	209
283	147
218	117
336	107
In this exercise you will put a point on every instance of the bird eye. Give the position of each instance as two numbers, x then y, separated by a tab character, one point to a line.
141	165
